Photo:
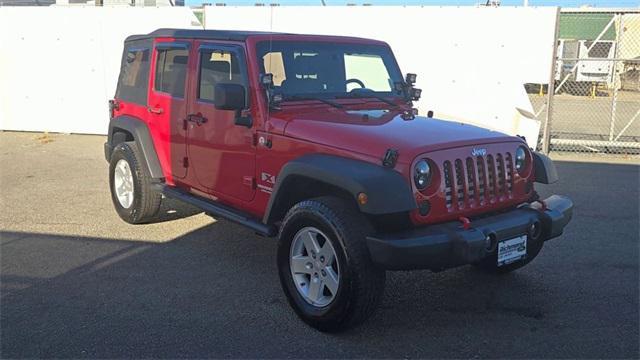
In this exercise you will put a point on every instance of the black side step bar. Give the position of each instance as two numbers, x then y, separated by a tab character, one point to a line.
215	209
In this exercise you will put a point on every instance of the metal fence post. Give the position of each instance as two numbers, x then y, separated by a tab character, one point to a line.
614	70
546	133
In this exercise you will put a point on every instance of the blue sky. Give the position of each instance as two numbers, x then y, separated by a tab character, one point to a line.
565	3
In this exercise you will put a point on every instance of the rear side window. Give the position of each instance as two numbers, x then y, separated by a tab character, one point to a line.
134	76
218	66
171	71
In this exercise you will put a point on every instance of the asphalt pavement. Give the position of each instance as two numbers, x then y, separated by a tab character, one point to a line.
77	282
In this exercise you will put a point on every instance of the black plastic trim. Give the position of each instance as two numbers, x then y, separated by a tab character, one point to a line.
545	169
141	136
447	245
229	35
173	45
213	208
226	35
387	190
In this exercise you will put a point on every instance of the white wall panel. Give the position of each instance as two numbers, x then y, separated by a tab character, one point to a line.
59	65
471	62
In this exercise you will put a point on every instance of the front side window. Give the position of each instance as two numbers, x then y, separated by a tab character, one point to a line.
218	66
329	69
134	76
171	71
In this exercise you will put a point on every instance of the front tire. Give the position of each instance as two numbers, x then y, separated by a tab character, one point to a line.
132	194
324	264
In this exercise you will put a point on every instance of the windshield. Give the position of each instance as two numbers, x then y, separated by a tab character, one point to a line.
329	70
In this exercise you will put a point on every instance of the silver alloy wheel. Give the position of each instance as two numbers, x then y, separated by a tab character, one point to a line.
314	267
123	183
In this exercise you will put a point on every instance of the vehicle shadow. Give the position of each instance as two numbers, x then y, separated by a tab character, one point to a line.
213	292
172	209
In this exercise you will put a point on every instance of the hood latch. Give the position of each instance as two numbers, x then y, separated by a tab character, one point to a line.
390	158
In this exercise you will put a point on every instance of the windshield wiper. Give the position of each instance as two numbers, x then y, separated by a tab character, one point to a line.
302	98
368	94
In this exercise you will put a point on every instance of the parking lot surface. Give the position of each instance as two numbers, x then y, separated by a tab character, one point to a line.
589	118
78	282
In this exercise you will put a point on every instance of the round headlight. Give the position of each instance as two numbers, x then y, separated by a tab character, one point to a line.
521	159
422	174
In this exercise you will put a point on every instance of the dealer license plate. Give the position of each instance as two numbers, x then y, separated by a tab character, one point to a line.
512	250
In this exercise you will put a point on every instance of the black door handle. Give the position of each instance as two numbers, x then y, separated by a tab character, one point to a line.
197	118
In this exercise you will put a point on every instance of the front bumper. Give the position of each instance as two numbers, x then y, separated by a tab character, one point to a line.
447	245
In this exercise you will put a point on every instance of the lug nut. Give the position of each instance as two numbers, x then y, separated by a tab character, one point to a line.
321	258
324	273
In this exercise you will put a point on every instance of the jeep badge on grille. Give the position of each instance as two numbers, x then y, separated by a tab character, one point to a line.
478	152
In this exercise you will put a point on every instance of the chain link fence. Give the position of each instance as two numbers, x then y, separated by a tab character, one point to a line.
594	102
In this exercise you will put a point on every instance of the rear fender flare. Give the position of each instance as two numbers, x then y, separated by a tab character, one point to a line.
141	135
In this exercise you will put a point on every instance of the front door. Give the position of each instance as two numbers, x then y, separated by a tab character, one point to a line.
220	152
167	102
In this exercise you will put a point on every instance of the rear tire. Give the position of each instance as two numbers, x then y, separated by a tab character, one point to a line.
133	197
360	284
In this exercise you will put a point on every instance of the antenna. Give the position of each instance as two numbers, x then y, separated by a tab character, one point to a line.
267	121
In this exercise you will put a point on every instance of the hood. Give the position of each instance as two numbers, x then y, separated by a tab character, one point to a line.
372	132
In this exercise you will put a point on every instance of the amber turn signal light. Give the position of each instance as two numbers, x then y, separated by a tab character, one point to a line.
362	198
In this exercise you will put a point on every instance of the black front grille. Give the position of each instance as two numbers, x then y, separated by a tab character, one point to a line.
477	180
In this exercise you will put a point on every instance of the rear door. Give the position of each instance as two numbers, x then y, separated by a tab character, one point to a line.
221	153
168	101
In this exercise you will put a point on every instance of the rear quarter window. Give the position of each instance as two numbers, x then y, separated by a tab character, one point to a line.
134	76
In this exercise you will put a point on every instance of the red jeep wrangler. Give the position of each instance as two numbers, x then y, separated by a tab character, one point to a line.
314	139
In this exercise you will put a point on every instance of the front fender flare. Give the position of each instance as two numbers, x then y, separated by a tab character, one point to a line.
545	169
387	190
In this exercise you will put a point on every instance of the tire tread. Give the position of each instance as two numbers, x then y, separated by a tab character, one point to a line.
368	282
146	209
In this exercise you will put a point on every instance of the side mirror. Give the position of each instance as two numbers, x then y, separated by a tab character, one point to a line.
245	121
233	97
230	97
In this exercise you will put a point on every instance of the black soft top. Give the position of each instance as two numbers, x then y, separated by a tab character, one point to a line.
232	35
